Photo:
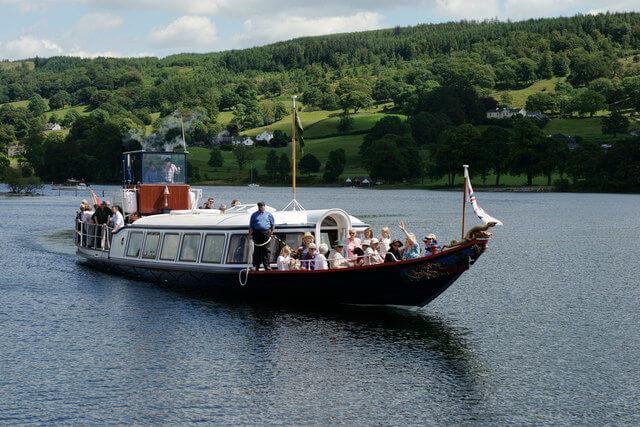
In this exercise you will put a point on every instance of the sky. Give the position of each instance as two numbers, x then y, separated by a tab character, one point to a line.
134	28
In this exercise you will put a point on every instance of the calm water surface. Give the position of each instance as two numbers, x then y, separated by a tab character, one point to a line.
543	329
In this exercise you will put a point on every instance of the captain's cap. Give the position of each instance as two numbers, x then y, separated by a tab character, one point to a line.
261	203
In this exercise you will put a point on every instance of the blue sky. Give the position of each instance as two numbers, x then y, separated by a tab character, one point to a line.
92	28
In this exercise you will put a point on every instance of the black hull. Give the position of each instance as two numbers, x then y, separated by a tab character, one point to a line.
407	283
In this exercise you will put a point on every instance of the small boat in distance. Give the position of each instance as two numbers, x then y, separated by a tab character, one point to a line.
69	184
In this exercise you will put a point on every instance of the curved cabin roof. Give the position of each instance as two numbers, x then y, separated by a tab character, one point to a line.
232	218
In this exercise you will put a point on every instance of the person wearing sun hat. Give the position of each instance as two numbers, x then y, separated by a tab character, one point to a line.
336	260
431	245
371	255
393	254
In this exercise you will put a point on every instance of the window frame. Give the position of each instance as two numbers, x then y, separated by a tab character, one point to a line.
129	238
222	253
197	254
164	236
144	245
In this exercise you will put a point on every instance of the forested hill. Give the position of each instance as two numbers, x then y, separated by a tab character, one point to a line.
451	73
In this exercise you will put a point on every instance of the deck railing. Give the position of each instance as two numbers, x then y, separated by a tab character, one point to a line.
92	236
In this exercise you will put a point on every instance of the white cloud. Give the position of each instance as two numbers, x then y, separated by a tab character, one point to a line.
98	21
467	9
263	30
186	32
28	47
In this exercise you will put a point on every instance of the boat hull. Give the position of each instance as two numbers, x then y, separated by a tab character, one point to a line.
406	283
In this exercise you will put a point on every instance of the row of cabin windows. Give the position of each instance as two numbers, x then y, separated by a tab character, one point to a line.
169	243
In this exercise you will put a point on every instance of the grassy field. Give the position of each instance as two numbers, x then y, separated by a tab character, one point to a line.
361	123
520	95
17	104
83	110
588	128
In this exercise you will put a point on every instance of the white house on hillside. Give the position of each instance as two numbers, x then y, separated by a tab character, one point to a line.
52	126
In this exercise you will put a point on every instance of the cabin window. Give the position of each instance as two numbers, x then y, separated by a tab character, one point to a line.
213	248
150	249
238	249
169	247
135	243
190	247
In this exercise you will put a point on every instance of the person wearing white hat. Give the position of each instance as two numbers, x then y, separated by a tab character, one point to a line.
371	255
309	260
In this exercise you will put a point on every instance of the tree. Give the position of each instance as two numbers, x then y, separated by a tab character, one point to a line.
284	168
589	101
426	128
216	159
4	164
37	105
526	150
345	123
525	70
506	100
233	129
309	164
271	165
335	165
540	102
243	155
355	100
495	141
280	139
615	123
453	150
59	100
560	65
383	89
545	66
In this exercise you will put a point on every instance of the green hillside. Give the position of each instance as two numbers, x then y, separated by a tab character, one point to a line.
441	78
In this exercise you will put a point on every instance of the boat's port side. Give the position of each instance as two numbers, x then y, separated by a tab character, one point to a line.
229	249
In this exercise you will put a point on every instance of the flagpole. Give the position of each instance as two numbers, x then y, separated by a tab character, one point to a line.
293	144
464	196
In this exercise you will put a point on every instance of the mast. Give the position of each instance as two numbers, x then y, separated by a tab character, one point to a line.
293	144
464	195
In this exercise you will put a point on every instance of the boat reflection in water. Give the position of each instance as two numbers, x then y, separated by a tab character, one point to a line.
169	240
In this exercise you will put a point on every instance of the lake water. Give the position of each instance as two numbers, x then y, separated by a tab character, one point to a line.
544	328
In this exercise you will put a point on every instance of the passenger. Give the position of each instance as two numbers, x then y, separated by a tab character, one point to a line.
321	258
222	208
208	204
89	227
169	170
358	259
368	233
385	241
431	245
371	255
117	220
235	203
261	226
394	254
285	261
336	260
352	243
102	214
309	259
412	248
152	175
307	239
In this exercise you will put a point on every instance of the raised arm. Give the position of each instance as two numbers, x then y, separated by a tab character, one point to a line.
404	230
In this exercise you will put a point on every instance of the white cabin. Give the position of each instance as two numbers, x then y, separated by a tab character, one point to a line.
209	237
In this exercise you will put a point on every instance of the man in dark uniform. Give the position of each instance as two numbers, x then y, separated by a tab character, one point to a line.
261	226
